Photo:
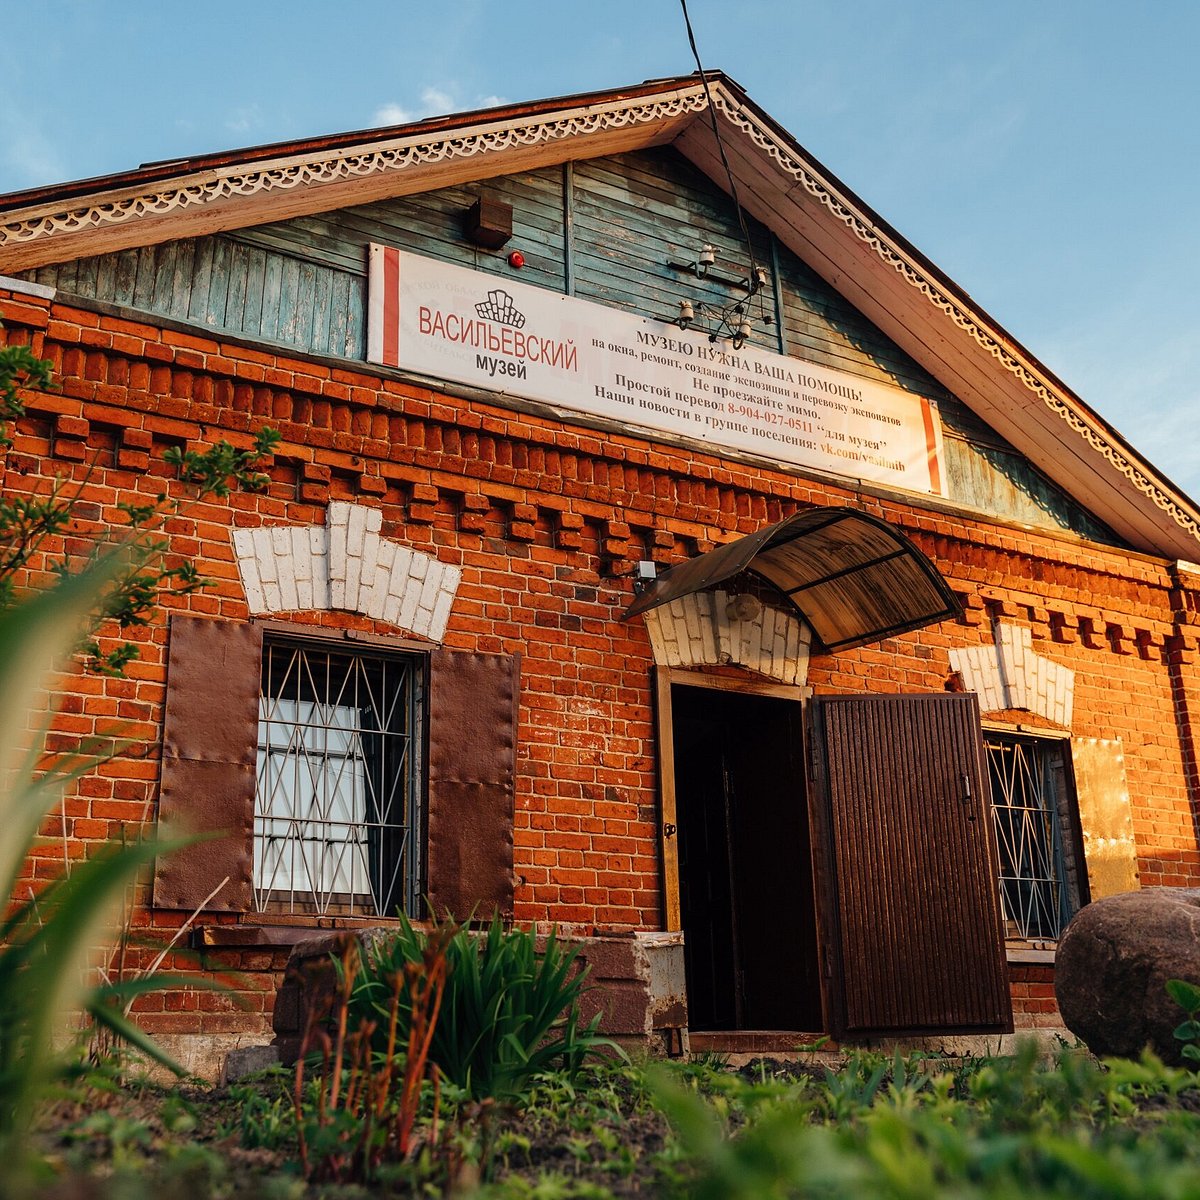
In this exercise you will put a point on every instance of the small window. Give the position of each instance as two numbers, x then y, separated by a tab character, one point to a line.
337	814
1034	812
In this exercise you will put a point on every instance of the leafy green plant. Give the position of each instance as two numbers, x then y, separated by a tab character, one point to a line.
144	1155
127	602
933	1129
510	1010
46	939
1187	996
19	368
260	1117
856	1085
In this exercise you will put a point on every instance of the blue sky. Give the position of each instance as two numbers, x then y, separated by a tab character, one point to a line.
1044	153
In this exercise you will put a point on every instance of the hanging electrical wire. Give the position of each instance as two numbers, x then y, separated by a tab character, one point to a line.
712	116
729	320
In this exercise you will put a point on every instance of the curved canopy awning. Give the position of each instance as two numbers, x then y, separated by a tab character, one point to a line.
854	578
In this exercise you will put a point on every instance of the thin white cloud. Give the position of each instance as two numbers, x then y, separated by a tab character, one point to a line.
433	102
241	120
392	114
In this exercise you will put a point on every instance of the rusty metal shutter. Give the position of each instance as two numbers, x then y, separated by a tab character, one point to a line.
911	897
210	740
472	753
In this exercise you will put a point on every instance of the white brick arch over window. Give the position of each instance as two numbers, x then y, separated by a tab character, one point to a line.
699	631
345	564
1007	674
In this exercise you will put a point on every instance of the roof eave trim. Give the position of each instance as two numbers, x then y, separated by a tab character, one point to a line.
42	224
893	251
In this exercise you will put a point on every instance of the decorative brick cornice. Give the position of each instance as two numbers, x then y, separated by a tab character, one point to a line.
345	564
116	366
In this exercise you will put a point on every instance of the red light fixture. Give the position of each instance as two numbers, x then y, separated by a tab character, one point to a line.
516	260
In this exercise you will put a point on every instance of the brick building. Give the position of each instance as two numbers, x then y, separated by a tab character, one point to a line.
910	669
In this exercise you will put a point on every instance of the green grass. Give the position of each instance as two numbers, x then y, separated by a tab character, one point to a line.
915	1129
884	1127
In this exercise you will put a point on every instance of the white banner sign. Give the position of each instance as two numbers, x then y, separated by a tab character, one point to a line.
457	324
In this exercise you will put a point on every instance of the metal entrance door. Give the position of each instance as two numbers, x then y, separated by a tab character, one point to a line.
910	913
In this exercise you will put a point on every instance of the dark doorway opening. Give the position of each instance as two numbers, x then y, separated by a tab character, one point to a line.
745	862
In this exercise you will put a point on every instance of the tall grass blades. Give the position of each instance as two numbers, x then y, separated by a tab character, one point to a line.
45	940
510	1011
361	1112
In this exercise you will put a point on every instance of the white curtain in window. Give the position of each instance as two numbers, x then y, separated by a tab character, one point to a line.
310	829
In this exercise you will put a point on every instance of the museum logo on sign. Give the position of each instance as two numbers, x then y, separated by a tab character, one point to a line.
499	307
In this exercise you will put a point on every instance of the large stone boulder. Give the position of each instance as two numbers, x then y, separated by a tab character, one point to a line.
1113	963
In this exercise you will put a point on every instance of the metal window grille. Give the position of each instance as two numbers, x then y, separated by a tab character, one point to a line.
1028	808
337	800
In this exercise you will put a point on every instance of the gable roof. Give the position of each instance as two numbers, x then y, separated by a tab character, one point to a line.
811	212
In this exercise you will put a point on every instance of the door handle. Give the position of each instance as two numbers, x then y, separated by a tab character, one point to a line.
967	798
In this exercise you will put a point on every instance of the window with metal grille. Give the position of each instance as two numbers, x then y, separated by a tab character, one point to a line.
1033	810
337	809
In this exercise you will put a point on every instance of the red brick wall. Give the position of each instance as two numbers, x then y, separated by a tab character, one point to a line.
1034	1005
546	521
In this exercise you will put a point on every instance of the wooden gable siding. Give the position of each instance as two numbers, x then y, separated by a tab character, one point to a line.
432	224
635	213
602	229
822	326
224	283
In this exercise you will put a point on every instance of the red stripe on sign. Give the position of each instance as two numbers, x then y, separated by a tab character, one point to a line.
931	454
391	307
